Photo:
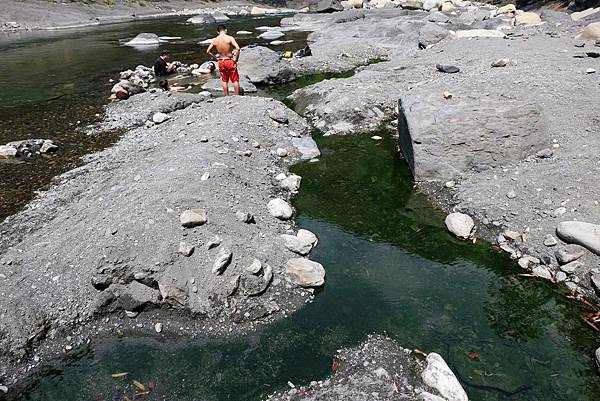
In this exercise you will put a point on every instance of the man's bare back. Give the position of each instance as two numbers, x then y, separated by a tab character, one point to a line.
229	54
226	46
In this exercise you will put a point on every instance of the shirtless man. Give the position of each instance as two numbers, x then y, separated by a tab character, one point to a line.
229	54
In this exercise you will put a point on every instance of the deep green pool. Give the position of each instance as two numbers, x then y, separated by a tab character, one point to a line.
391	268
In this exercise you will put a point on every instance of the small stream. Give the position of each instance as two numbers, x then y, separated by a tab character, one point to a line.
391	268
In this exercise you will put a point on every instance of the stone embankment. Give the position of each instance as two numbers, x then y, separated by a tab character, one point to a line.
379	369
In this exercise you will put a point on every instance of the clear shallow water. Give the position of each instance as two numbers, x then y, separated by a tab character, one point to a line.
53	82
391	268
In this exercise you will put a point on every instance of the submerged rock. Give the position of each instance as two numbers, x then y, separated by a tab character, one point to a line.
305	273
144	39
579	232
307	147
460	224
202	19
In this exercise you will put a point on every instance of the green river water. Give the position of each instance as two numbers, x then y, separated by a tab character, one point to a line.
391	268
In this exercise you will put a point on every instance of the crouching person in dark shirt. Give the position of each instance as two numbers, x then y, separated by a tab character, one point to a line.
162	67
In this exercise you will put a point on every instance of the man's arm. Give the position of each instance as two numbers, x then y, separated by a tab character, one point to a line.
210	49
236	49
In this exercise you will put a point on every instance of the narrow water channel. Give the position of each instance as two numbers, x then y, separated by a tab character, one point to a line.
391	268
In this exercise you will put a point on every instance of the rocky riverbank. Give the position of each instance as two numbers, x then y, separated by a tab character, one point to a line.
496	117
181	228
48	15
379	369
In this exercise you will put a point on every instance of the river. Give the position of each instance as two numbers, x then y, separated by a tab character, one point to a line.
391	268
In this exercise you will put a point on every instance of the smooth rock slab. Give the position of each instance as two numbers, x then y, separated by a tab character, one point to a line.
437	135
305	273
460	224
438	375
578	232
280	209
193	217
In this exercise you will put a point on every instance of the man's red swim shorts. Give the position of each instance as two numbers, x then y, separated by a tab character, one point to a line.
228	70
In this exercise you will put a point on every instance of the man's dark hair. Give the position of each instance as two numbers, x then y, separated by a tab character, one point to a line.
165	52
221	28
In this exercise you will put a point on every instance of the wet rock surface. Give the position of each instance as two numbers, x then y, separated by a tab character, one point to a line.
380	369
162	243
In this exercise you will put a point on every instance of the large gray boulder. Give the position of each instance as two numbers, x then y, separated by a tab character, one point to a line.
261	65
202	19
438	375
443	139
328	6
579	232
431	34
144	39
305	273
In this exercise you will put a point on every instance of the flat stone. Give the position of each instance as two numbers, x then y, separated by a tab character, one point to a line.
305	273
222	260
543	272
193	217
254	267
511	234
244	217
447	68
159	117
214	242
296	245
7	152
279	208
526	261
186	249
438	375
460	224
144	39
568	253
278	115
571	267
549	240
578	232
560	276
